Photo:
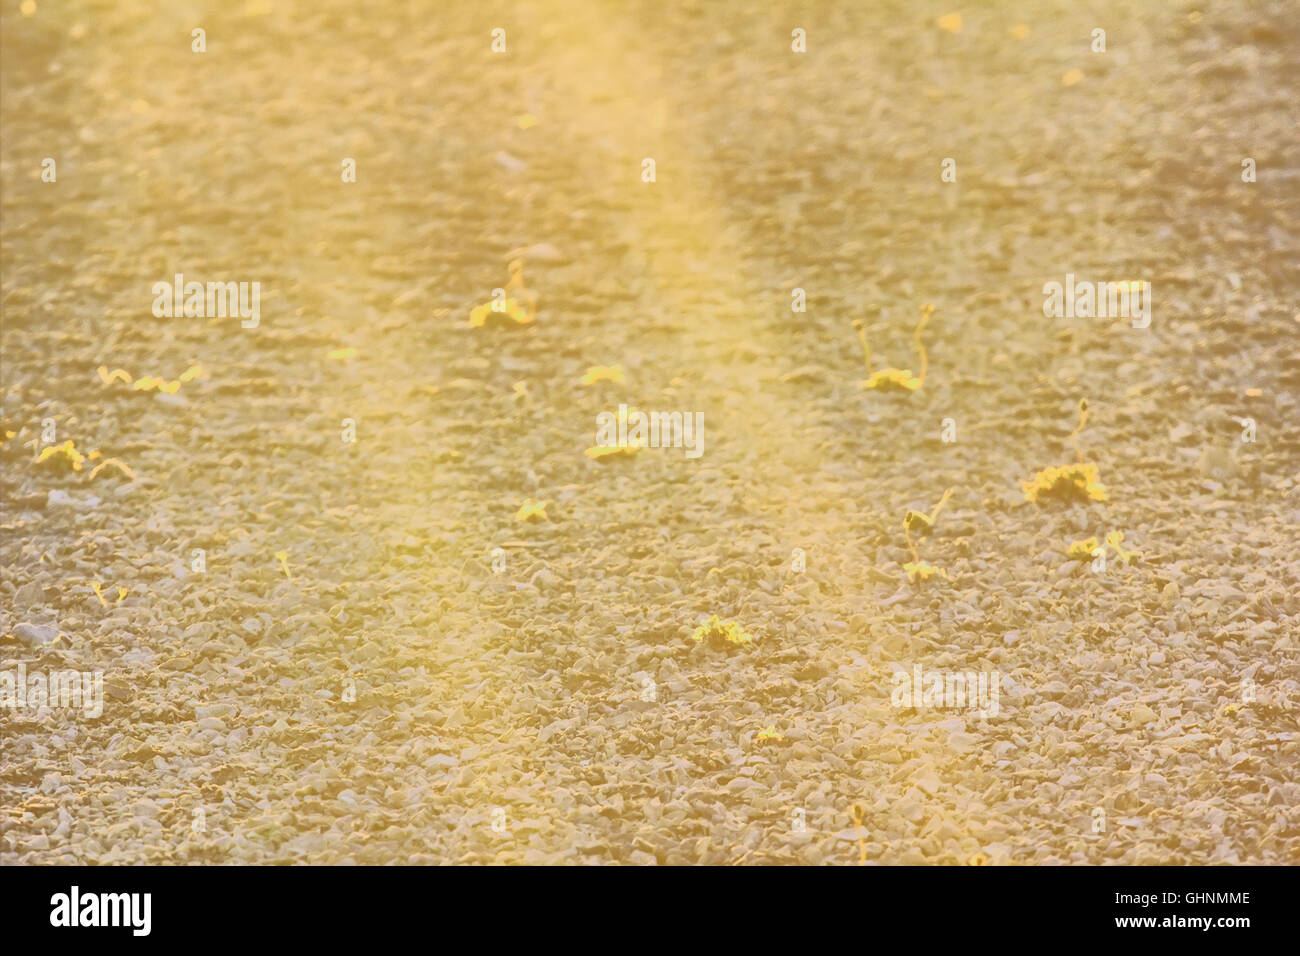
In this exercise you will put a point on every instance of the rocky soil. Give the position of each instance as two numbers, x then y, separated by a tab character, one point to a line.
322	657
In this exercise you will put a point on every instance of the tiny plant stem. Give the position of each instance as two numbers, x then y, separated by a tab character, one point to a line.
516	284
1113	539
907	532
857	826
1083	420
939	507
926	312
866	349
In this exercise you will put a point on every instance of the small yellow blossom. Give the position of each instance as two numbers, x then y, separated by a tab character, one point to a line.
1078	482
532	510
608	453
603	373
510	309
1081	550
895	379
521	308
892	379
720	633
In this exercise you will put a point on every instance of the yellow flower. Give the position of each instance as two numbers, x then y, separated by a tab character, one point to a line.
1020	31
602	453
951	23
532	510
521	312
511	309
1077	482
603	373
1081	550
720	633
283	558
1072	77
893	379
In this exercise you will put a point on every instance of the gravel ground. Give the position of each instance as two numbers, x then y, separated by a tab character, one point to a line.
349	679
